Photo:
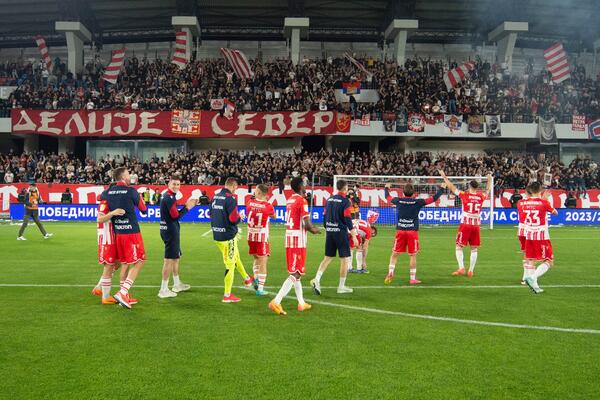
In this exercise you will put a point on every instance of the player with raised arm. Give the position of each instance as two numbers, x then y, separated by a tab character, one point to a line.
297	221
407	228
170	234
338	227
107	252
521	234
224	220
128	239
469	230
538	247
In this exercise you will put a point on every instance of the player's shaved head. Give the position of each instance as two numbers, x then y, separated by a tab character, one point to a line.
408	190
341	185
119	173
474	185
534	188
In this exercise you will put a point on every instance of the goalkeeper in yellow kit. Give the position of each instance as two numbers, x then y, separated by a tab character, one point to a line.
224	219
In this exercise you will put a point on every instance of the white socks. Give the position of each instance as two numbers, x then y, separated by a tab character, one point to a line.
255	270
164	285
176	280
318	276
413	274
285	289
391	269
298	289
105	284
541	270
460	258
473	260
261	278
342	282
359	259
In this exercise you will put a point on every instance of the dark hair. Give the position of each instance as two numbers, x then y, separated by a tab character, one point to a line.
118	173
534	187
176	177
408	190
341	184
474	184
296	184
262	188
231	181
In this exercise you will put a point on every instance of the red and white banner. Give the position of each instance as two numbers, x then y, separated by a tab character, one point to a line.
455	76
173	124
41	44
181	54
216	104
578	124
416	122
112	71
557	63
238	62
88	194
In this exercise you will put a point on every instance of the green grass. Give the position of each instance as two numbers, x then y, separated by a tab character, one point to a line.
59	342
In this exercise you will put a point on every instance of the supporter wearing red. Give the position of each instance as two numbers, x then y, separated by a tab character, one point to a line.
469	230
128	239
538	248
338	228
107	252
407	228
297	223
258	213
170	234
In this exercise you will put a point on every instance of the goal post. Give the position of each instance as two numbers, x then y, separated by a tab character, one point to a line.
446	211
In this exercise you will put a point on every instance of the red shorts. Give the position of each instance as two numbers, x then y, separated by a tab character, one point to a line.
259	249
107	254
522	241
130	248
468	235
540	250
360	241
406	242
296	260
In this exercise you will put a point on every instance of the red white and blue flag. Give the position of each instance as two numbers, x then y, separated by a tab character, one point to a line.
112	71
557	63
594	129
41	44
239	63
228	109
180	56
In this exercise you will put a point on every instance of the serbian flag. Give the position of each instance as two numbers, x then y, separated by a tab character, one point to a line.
228	109
349	88
594	129
456	75
41	44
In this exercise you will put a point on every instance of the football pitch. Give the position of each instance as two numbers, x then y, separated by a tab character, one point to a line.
451	338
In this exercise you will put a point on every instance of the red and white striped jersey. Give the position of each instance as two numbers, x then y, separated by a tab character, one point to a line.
521	217
105	232
535	211
258	213
471	207
295	230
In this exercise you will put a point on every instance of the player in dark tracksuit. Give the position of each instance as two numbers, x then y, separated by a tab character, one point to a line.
170	234
338	223
224	219
407	228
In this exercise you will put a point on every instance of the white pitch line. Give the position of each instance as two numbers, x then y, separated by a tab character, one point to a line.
206	233
458	320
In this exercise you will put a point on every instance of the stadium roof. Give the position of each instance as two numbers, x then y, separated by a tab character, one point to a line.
440	21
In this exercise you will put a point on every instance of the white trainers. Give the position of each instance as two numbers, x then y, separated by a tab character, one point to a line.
21	238
165	294
48	235
182	287
533	285
344	289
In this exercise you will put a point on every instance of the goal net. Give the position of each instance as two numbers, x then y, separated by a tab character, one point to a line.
446	211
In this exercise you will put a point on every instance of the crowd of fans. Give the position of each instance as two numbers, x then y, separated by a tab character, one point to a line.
279	85
511	170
